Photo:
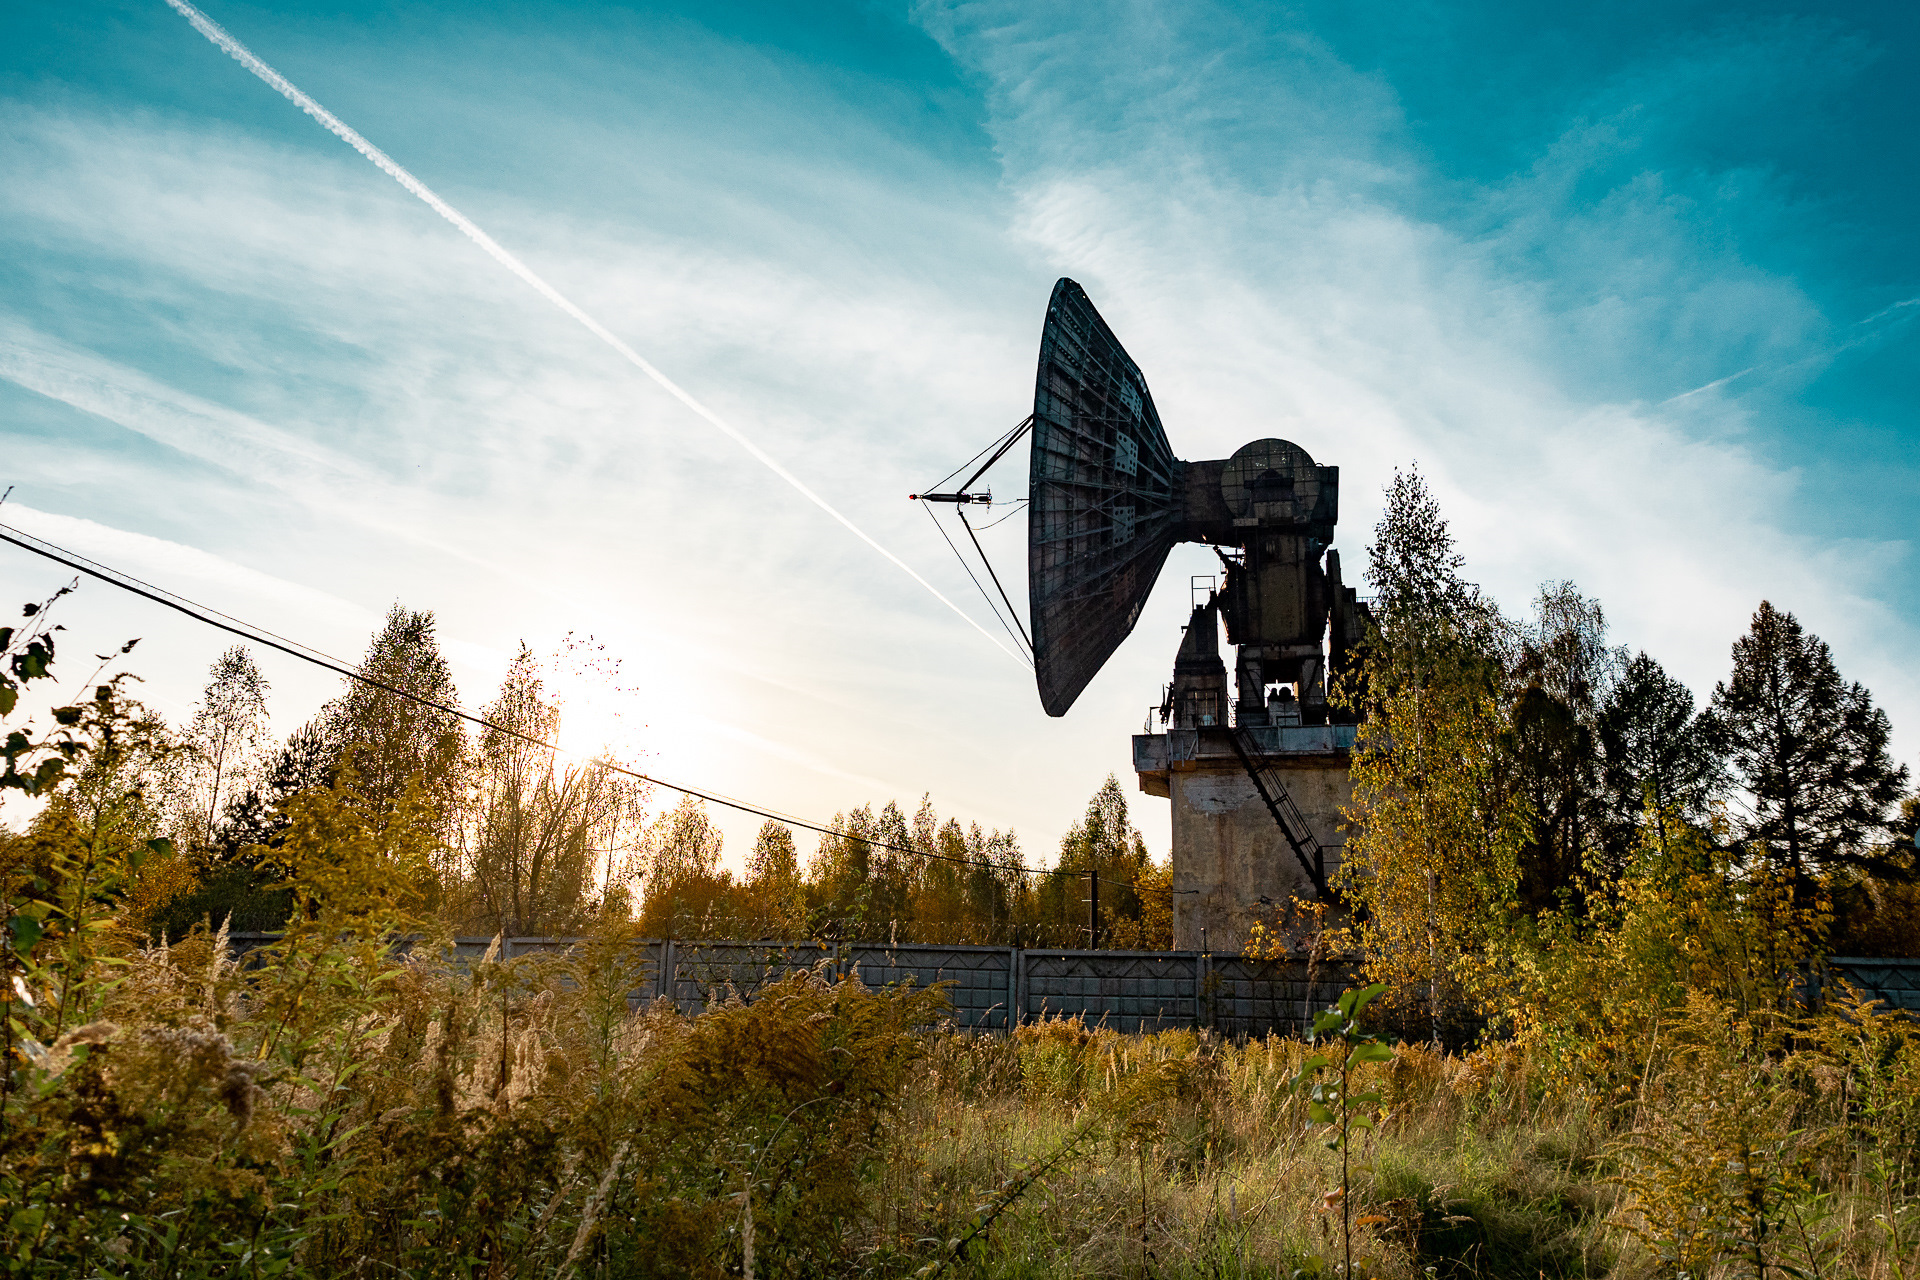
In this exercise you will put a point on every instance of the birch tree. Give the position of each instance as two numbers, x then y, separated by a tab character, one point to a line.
1437	821
228	736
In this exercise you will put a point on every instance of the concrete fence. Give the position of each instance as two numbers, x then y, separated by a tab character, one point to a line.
992	988
1897	982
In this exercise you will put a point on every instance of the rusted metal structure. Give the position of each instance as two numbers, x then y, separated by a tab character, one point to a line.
1108	501
1257	772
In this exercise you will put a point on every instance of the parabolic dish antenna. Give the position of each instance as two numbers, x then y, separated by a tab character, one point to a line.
1107	500
1104	498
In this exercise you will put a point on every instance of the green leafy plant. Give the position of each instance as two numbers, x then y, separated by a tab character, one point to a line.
1329	1077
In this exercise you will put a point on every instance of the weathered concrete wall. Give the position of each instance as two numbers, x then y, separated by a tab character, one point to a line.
1232	868
1228	853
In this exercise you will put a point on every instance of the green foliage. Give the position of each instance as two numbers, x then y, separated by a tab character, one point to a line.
332	1104
679	871
1588	993
1810	750
1665	1092
1659	757
1105	841
33	764
773	887
226	739
1717	1161
541	838
1436	826
1561	671
392	740
1329	1076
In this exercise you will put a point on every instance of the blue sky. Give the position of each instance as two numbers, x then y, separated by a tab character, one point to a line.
1635	286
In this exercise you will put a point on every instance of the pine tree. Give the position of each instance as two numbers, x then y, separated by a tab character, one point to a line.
1810	752
257	817
389	738
1659	759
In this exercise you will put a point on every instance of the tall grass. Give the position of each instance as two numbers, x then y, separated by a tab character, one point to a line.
1475	1166
337	1108
345	1104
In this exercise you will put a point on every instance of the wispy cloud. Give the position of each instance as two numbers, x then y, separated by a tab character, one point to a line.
1896	309
189	570
339	356
1273	237
492	248
1270	288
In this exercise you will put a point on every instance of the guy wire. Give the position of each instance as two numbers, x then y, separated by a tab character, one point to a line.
968	526
1017	638
997	442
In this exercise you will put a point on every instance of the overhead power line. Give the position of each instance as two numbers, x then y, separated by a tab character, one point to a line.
340	667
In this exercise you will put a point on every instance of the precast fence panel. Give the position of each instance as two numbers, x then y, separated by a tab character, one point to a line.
1897	982
640	963
1254	997
980	980
1123	990
700	973
991	988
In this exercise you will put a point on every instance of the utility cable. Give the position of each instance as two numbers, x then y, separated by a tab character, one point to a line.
1018	503
223	40
306	653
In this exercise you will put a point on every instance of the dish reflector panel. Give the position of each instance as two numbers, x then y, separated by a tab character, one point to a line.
1105	498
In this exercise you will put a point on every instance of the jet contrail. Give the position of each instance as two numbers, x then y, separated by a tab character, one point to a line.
245	57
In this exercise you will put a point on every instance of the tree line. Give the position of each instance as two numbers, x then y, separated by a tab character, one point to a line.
1512	774
1525	785
524	840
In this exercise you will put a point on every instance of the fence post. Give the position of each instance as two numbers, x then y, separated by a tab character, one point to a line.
1013	984
1019	1010
668	978
1093	909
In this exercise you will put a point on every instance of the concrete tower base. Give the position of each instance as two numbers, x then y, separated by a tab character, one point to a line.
1232	867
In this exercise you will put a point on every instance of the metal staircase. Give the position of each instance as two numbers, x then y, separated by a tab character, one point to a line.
1292	823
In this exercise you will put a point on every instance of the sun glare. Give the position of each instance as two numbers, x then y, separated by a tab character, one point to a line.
588	730
600	714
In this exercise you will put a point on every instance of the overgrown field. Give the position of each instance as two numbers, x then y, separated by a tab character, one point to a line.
1633	897
336	1109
